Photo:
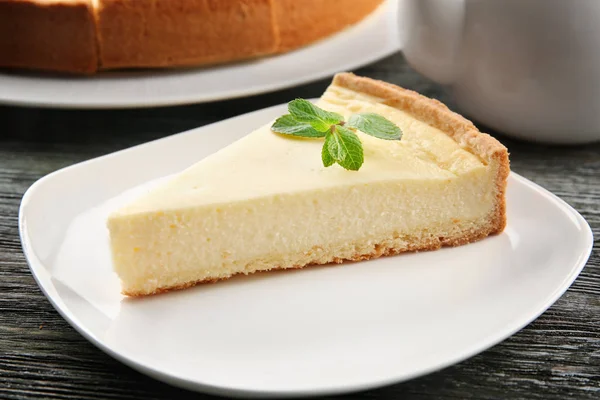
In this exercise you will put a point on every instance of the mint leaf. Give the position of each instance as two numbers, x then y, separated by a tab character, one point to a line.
288	125
345	148
342	145
327	158
333	147
352	147
305	111
375	125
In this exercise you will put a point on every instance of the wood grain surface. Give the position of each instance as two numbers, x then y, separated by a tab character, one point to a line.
41	356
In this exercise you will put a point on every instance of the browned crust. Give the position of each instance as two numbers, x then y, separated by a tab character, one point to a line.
150	33
48	35
436	114
82	36
307	21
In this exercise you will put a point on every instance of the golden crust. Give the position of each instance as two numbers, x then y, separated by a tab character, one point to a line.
150	33
304	22
436	114
50	35
82	36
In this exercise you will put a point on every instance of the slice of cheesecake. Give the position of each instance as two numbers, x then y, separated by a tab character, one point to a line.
266	201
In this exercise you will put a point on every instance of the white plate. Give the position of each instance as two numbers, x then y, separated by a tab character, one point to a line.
314	331
374	38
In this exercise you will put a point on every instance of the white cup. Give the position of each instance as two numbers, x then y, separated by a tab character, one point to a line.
526	68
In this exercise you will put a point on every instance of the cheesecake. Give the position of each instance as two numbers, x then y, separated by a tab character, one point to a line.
87	36
266	201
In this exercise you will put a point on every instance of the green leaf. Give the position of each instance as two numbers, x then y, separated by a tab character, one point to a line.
288	125
345	148
327	158
333	146
305	111
375	125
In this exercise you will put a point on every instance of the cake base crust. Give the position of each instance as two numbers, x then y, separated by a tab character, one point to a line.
84	36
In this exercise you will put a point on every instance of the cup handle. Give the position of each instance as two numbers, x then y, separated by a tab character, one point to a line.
431	33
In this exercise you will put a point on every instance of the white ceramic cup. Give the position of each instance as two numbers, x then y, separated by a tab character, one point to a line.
526	68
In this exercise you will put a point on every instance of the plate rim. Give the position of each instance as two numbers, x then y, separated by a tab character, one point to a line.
36	268
231	94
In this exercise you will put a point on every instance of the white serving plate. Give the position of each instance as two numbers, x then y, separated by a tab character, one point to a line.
374	38
320	330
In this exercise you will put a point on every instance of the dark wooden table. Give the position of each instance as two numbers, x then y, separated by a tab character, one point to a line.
41	356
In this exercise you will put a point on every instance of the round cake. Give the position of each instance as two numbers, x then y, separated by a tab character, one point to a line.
86	36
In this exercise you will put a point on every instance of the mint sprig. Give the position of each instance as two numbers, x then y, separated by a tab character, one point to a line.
342	145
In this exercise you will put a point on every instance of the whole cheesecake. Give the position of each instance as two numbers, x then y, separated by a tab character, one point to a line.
267	202
84	36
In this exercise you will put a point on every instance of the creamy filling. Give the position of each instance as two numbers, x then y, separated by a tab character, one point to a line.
265	164
217	241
